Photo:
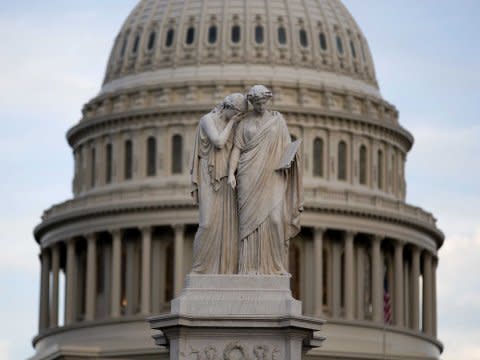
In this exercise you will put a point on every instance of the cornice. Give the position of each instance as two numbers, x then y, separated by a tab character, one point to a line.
166	205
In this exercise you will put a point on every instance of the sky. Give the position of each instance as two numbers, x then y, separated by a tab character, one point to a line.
52	60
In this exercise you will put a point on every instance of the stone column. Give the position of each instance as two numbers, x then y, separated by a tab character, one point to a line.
70	303
158	276
360	282
318	263
377	274
336	278
54	294
427	294
348	282
178	261
398	304
434	295
116	272
131	285
146	269
415	288
91	291
44	289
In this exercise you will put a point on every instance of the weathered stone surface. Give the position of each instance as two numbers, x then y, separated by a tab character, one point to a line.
236	317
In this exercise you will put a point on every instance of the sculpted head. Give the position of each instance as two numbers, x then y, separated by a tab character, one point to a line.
259	96
233	104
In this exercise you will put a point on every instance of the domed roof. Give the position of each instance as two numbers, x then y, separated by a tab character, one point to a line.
319	36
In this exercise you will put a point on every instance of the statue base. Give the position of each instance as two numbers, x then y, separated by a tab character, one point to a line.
237	317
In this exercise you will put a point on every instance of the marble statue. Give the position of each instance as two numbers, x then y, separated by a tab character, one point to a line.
237	302
265	168
215	247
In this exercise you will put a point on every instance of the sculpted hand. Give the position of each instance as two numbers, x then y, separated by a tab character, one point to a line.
232	181
237	118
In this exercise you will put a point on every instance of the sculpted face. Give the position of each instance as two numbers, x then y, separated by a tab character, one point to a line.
260	105
233	105
229	112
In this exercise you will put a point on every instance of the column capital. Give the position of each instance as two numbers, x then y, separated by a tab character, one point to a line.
70	240
377	238
91	237
145	229
115	232
399	243
319	229
350	235
178	227
416	250
427	255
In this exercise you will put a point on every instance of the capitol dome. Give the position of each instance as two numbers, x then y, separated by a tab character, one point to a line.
120	248
319	37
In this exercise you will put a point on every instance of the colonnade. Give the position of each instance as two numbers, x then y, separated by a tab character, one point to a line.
131	283
363	268
352	272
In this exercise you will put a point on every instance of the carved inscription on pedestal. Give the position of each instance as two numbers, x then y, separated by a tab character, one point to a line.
234	351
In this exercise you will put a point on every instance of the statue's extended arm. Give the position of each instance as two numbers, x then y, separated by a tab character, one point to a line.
234	157
217	139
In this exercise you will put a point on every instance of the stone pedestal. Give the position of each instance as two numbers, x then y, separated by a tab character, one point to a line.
237	317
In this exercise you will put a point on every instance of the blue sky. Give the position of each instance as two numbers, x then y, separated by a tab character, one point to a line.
426	52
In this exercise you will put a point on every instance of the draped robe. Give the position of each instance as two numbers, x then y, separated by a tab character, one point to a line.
215	247
269	200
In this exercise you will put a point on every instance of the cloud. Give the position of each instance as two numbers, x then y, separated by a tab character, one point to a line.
19	251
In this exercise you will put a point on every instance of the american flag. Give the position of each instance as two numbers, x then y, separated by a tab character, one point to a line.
387	303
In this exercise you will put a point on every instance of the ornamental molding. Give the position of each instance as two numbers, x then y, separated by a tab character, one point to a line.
70	213
140	119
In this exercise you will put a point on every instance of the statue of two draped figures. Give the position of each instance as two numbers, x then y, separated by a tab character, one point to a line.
247	180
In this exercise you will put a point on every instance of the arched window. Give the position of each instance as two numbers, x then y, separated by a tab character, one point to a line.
282	35
151	156
151	40
318	157
323	41
342	161
80	169
236	34
259	34
108	163
177	154
352	48
93	160
190	37
380	169
169	38
135	44
362	49
128	160
339	44
394	172
294	269
303	38
124	46
212	34
363	165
